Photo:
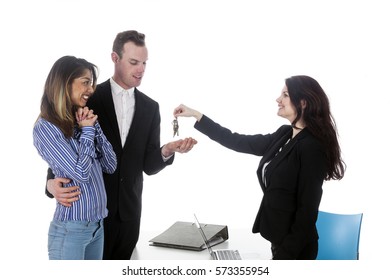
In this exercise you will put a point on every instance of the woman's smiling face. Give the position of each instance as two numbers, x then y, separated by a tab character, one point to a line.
286	109
82	89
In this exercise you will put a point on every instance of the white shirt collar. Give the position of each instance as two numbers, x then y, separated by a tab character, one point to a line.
117	89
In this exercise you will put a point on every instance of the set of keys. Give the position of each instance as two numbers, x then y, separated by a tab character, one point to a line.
175	125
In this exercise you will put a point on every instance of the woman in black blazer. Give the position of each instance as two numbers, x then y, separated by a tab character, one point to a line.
296	159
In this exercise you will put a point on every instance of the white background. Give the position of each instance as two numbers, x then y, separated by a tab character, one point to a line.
228	59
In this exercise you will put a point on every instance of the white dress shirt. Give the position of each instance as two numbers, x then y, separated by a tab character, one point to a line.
124	103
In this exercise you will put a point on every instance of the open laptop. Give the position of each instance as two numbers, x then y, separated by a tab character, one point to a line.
220	254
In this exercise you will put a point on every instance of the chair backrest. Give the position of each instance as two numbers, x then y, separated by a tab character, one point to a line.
339	236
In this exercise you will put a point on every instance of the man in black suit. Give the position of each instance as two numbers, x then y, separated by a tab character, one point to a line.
131	122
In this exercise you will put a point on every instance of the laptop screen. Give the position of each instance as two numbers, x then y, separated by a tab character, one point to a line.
202	234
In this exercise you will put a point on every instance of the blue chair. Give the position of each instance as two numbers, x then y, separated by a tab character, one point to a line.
338	236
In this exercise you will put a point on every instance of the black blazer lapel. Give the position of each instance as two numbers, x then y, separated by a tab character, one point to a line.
103	102
286	148
139	109
270	154
139	119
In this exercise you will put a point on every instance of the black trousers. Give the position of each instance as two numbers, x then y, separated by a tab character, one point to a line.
309	252
120	237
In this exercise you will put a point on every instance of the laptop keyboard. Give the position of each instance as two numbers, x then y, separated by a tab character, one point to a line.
228	255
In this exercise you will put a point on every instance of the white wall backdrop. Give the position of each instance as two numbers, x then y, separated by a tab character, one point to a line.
227	59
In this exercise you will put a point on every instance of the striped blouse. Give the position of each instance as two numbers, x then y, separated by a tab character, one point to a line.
82	159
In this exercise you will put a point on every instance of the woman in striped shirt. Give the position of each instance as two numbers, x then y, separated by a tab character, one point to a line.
68	137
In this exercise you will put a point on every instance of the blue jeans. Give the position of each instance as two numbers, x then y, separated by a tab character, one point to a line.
76	240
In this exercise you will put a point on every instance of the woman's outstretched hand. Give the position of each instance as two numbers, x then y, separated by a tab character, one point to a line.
184	111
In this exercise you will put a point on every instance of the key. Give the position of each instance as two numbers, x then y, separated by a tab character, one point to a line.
175	124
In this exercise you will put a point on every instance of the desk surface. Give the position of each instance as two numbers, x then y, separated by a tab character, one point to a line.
251	247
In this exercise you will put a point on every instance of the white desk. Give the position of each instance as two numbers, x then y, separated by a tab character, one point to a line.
251	247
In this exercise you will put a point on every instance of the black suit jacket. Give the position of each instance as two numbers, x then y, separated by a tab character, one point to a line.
295	174
141	152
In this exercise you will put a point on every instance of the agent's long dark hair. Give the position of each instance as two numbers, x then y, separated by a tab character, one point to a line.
318	119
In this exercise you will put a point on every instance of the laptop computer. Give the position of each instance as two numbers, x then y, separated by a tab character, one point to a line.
220	254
